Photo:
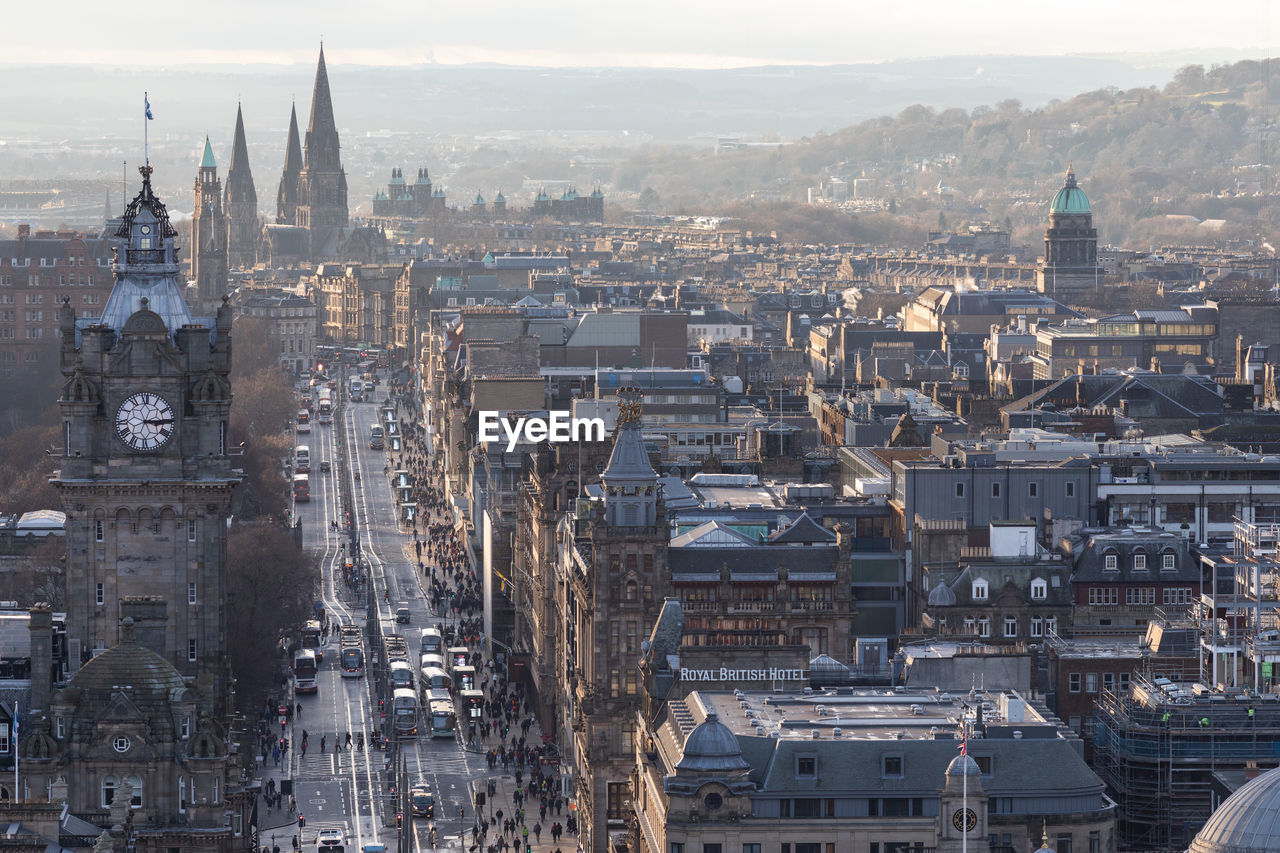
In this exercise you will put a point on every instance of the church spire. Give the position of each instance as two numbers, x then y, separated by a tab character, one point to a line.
321	151
287	196
241	203
239	151
630	484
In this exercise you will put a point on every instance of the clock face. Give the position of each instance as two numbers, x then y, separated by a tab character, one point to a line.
965	820
145	421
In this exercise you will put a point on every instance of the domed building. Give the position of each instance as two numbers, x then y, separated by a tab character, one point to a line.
126	741
1070	264
1247	822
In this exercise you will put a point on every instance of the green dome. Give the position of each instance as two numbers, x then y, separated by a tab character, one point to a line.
1070	199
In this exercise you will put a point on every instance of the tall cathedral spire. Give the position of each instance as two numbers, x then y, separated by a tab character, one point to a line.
322	185
241	203
322	133
287	197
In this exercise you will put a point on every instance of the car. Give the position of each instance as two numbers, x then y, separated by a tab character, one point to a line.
324	467
330	841
422	803
402	614
304	427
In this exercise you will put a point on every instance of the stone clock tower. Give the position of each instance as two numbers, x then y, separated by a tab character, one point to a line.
962	813
145	478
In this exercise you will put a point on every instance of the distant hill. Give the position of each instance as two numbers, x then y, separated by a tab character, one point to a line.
1203	145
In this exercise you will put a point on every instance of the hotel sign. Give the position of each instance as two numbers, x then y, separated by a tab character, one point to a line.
724	673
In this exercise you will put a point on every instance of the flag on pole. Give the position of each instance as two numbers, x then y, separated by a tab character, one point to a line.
146	101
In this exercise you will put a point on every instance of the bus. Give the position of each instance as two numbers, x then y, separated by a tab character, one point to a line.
304	672
375	437
401	675
436	679
443	718
302	459
430	661
324	414
404	712
357	390
430	642
311	638
465	677
302	488
352	662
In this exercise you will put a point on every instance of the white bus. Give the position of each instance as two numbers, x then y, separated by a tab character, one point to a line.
436	679
431	642
404	712
302	459
443	718
401	675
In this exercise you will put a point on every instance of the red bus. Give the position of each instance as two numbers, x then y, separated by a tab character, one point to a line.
301	488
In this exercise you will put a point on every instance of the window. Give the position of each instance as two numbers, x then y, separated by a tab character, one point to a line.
980	590
995	490
216	792
984	627
1091	682
4	741
121	744
1124	682
1168	562
983	762
182	794
1139	596
755	848
1104	595
191	650
1037	626
109	786
1111	562
959	490
891	766
1177	595
99	531
1051	625
191	530
1011	626
807	766
1033	490
1073	682
1109	681
677	847
59	727
1139	562
1071	488
100	594
1064	842
136	782
712	848
185	729
191	593
1039	590
1095	841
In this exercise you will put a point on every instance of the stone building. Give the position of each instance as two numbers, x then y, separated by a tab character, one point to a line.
293	323
208	232
1070	265
37	271
818	771
241	204
145	477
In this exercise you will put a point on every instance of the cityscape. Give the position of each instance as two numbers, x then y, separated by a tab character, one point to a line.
631	438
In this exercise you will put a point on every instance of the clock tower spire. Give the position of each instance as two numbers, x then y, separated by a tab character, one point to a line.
145	478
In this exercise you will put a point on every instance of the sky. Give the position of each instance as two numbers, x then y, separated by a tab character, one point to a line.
648	33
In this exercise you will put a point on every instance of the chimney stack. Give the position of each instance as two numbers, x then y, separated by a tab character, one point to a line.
41	629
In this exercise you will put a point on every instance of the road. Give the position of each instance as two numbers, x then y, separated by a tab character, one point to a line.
348	789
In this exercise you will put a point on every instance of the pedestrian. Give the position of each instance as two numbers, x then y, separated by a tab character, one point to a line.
322	744
299	710
348	740
537	832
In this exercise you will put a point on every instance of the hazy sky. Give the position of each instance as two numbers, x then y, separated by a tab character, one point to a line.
691	33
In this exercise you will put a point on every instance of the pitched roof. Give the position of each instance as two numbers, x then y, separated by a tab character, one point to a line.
803	531
207	161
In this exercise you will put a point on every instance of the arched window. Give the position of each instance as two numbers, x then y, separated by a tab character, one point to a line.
631	591
136	782
109	786
1039	589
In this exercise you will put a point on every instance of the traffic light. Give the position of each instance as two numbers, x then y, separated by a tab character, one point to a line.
399	820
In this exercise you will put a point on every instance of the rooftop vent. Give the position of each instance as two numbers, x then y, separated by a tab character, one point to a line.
816	733
837	732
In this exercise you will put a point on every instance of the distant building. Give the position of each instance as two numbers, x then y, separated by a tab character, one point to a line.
241	204
1070	264
208	233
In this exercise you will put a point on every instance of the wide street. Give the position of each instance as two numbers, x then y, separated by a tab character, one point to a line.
350	789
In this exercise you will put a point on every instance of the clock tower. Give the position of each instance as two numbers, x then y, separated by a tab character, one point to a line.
145	478
962	808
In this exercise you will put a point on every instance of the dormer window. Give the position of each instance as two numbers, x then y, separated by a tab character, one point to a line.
1139	561
1168	562
1111	561
1039	590
980	590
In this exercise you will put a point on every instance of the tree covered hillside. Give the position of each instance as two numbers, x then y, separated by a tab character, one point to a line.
1203	146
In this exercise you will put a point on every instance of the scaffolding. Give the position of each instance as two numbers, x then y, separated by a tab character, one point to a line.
1240	629
1158	745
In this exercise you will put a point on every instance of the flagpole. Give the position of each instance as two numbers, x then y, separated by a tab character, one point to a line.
964	776
146	108
15	752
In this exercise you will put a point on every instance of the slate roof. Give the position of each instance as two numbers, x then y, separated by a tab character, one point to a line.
803	531
1090	563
